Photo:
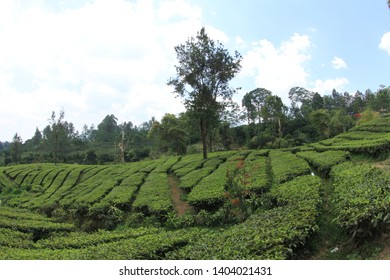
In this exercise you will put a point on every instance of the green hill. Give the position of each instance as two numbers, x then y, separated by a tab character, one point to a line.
328	200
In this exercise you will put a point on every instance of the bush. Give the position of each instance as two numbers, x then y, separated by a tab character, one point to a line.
91	158
324	161
267	234
362	199
285	166
154	196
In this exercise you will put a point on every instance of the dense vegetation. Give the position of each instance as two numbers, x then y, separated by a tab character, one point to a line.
310	118
278	187
246	204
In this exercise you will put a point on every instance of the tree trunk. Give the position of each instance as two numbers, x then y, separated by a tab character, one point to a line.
203	135
280	128
55	148
210	141
122	147
204	143
121	152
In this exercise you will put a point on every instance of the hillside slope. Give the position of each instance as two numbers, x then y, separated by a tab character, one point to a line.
277	204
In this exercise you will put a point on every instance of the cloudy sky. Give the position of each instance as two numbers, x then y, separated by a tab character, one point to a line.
97	57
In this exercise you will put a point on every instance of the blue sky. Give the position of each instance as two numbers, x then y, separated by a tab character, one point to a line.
99	57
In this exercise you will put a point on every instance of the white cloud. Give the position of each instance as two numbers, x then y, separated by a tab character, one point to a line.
216	34
102	57
240	42
278	68
281	68
326	86
339	63
385	42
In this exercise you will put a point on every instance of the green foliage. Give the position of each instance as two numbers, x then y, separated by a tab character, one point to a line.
24	221
170	134
324	161
91	157
142	243
361	199
185	160
255	174
371	147
259	204
188	168
210	190
122	194
167	165
320	119
363	135
150	165
154	195
191	174
15	239
254	101
270	234
371	137
78	240
16	148
286	166
190	179
203	72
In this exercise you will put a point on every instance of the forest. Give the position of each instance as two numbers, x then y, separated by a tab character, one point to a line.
261	121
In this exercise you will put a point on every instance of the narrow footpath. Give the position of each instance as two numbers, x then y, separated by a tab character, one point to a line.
181	207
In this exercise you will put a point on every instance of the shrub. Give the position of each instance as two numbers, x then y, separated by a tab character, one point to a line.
324	161
154	195
285	166
361	199
267	234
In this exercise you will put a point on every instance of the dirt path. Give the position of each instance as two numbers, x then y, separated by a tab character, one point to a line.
181	206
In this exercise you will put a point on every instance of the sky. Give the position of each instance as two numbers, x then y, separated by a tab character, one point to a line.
92	58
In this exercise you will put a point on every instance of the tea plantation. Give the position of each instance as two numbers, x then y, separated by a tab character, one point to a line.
249	204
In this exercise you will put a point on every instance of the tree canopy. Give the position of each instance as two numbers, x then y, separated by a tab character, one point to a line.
203	73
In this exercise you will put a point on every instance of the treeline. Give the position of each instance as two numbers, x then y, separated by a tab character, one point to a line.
262	121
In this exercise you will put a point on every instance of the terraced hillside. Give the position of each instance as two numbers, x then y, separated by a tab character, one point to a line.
370	138
241	204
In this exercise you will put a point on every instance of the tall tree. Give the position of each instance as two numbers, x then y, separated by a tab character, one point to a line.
382	100
301	100
126	131
108	130
37	139
274	110
169	134
250	110
320	119
317	102
202	78
254	102
57	130
357	104
16	148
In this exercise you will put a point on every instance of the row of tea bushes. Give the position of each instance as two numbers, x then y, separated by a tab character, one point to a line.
136	244
324	161
267	234
361	199
286	166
